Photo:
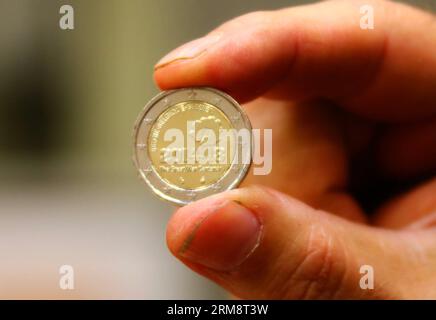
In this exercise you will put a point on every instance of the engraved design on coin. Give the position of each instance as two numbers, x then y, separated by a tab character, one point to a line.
195	174
192	143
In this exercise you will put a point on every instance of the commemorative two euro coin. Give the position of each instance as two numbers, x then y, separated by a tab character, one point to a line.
190	143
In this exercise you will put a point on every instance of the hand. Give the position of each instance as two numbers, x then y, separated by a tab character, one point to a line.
349	108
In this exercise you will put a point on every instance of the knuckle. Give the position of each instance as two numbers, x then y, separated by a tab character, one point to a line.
318	270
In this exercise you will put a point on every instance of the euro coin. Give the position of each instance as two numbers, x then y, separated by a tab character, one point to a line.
191	143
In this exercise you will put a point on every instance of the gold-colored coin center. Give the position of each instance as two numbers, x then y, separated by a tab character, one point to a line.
177	145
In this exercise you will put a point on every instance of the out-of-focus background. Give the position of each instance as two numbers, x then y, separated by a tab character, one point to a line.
69	193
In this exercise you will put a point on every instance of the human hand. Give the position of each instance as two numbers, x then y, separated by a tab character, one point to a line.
347	106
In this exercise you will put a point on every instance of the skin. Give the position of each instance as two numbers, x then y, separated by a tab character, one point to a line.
348	107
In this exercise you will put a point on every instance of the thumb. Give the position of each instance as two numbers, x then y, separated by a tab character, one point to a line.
259	243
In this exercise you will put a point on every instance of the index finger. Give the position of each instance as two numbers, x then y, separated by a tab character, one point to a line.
319	51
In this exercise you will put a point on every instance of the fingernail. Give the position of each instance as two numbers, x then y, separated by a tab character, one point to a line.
189	50
224	239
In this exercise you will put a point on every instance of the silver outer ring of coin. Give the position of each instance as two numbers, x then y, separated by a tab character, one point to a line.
153	109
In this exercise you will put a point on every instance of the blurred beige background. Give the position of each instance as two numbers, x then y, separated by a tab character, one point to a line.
69	193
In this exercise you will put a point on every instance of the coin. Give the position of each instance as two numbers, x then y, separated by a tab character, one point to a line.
191	143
